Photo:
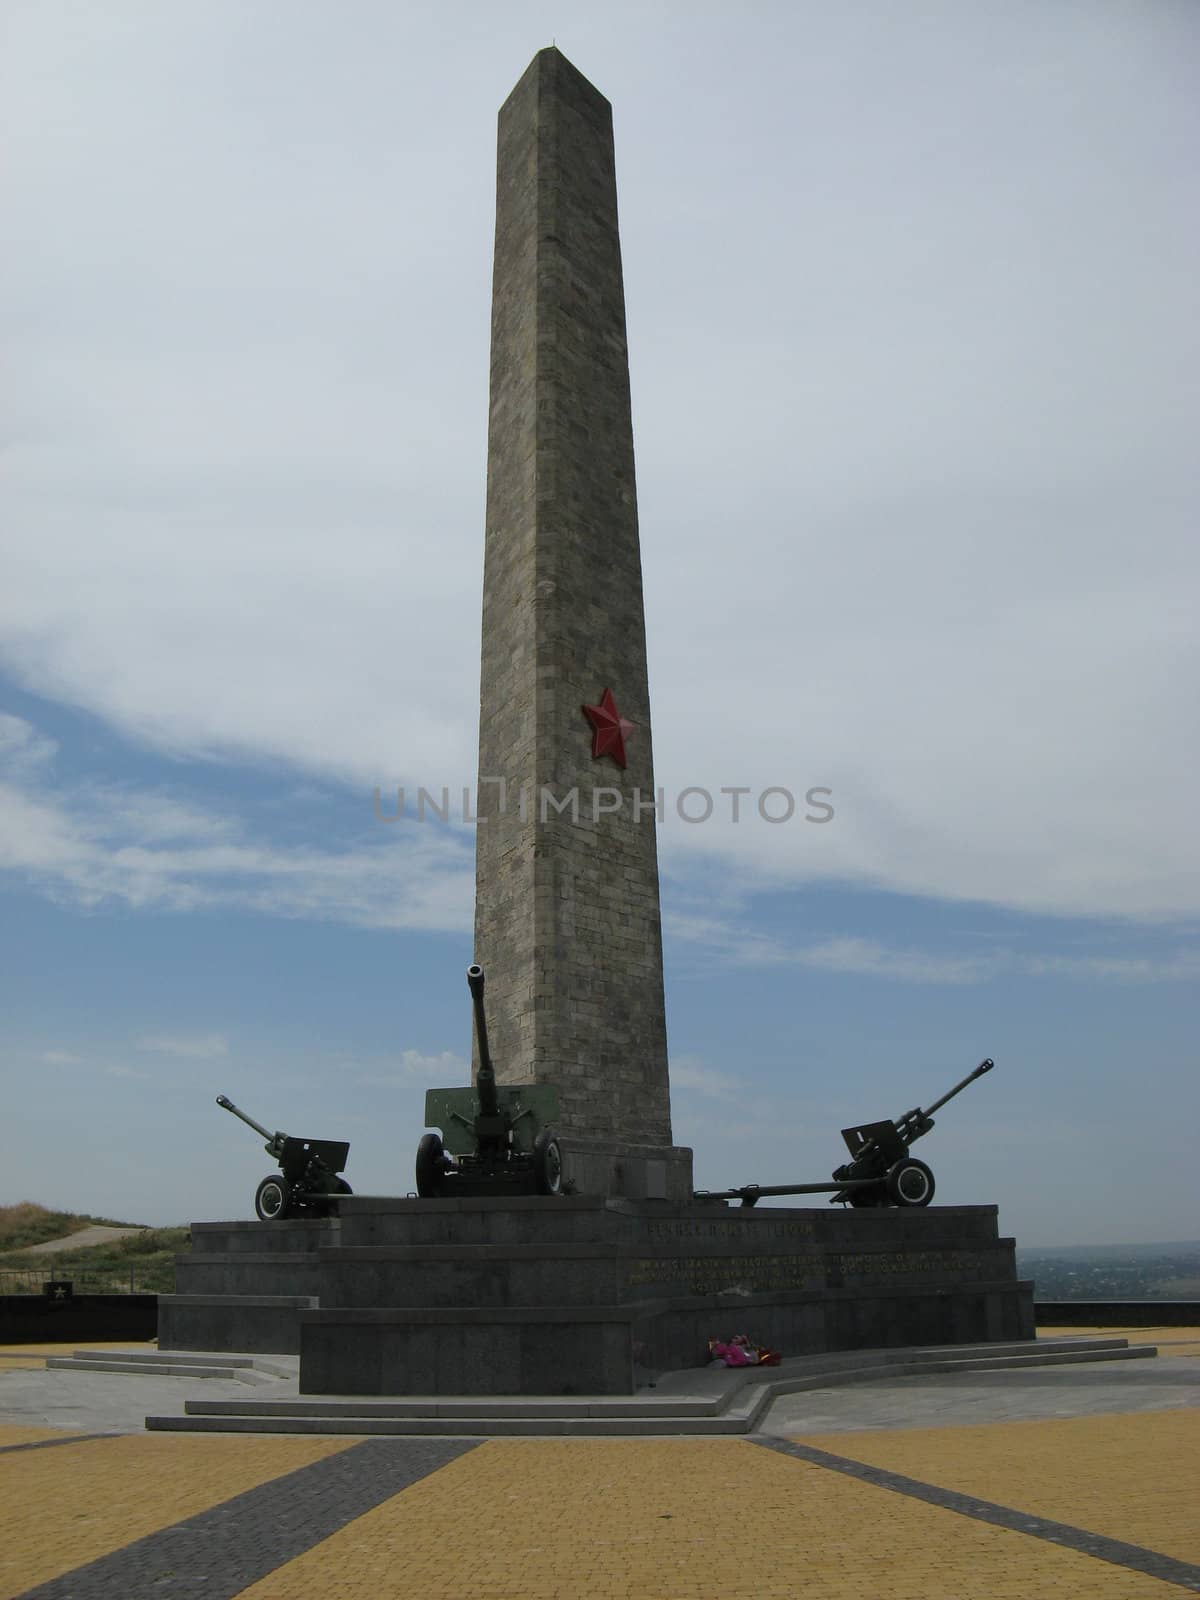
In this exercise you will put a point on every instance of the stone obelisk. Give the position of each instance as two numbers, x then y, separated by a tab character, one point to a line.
567	922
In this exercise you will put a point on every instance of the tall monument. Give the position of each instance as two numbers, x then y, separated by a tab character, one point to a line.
567	922
586	1293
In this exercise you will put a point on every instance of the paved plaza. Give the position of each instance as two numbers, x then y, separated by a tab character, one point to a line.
1066	1481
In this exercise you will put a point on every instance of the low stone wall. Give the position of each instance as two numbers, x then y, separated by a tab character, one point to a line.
36	1319
1117	1313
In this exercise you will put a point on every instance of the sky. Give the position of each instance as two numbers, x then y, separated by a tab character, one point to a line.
914	356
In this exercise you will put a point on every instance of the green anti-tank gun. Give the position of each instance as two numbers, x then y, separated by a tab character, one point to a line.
880	1172
309	1176
495	1138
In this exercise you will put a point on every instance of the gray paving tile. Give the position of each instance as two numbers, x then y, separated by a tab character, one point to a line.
222	1551
1117	1552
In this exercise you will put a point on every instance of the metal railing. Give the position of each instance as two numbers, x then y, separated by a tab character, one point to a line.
26	1281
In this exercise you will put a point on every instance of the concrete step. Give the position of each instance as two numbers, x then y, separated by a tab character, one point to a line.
707	1401
161	1370
177	1364
532	1406
751	1404
910	1365
1133	1352
457	1427
184	1358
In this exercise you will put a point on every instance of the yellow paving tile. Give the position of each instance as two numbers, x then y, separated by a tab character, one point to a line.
1130	1476
19	1357
67	1347
18	1433
64	1506
704	1519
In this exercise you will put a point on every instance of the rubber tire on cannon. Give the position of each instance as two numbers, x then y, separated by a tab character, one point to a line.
910	1183
431	1163
273	1198
547	1163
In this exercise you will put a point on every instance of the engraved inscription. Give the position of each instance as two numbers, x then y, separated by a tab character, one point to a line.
954	1264
718	1274
757	1274
735	1228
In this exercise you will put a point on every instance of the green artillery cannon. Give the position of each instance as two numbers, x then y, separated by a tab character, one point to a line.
880	1172
879	1153
309	1176
495	1138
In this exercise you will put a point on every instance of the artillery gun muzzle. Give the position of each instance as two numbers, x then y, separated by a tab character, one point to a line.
273	1139
485	1081
985	1065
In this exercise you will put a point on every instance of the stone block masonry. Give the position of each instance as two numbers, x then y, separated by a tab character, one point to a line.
567	922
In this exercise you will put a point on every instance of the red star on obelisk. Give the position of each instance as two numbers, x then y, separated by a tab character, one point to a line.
609	729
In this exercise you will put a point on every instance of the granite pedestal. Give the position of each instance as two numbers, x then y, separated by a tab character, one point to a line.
583	1295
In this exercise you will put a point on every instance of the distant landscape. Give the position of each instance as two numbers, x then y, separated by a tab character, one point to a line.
143	1263
1114	1272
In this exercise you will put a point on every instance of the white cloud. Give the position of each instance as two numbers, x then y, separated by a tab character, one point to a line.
871	957
60	1058
690	1072
99	843
743	946
23	750
445	1067
918	513
119	814
195	1046
1183	966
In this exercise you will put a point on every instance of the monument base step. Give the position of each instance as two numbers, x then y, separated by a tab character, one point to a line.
582	1294
711	1401
177	1364
266	1324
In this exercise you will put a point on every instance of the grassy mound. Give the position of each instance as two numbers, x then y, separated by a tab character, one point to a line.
26	1223
144	1262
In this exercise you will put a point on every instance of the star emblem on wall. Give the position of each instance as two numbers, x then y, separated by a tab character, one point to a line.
609	729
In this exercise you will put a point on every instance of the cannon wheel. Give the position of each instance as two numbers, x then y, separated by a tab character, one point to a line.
547	1163
431	1158
910	1183
273	1198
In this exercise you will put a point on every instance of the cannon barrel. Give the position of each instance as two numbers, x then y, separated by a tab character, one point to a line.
985	1065
485	1082
227	1105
